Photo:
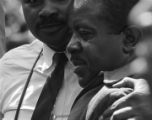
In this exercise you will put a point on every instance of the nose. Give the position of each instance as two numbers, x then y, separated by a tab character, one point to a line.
74	46
48	11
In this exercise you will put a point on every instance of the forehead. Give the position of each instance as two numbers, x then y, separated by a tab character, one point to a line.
88	15
89	5
79	3
86	8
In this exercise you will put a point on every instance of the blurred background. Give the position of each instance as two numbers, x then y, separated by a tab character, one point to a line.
16	31
141	17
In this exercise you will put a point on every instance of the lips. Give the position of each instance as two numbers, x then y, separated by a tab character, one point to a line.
77	61
80	65
51	28
48	25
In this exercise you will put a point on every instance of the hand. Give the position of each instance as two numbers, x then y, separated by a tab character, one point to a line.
134	118
104	98
136	105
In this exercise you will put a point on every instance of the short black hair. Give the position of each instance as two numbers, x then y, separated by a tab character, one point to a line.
113	12
116	12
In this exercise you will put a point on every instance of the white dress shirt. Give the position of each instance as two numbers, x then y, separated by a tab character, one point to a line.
14	70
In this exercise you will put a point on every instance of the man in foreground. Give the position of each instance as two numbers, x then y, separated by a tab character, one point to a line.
104	41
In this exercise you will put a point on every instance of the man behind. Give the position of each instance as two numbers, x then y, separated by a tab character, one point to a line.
47	20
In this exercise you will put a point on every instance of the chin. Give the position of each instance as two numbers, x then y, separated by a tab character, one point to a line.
84	81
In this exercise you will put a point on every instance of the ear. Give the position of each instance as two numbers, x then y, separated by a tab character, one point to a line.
132	37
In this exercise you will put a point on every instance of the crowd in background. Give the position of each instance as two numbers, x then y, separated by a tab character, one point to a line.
15	27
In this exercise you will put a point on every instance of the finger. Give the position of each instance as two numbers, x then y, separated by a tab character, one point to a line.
102	99
126	82
117	100
124	113
142	86
96	102
118	94
138	102
128	100
136	118
126	90
132	118
121	103
101	118
113	96
139	85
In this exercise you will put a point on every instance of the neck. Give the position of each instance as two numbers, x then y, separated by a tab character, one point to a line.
117	74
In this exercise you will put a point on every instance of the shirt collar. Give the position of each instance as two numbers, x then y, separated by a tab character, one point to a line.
116	75
47	55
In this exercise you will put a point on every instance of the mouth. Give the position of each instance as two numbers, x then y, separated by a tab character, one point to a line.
80	66
51	28
77	61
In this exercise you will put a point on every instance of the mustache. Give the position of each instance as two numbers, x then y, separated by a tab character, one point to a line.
77	60
52	20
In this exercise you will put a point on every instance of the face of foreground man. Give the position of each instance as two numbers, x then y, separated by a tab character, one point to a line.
98	43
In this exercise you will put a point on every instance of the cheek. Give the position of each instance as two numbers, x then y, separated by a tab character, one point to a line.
30	15
69	5
65	9
31	18
115	51
94	58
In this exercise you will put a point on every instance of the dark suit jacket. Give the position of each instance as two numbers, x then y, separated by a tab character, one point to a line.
79	108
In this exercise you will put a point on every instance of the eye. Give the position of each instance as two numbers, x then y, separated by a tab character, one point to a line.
61	1
85	33
31	2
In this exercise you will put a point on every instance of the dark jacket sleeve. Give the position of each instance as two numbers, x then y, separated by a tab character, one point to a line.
79	108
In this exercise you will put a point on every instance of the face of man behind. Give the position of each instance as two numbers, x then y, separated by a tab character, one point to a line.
47	20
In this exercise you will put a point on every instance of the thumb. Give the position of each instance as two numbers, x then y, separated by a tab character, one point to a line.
99	103
93	106
126	82
142	86
138	85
